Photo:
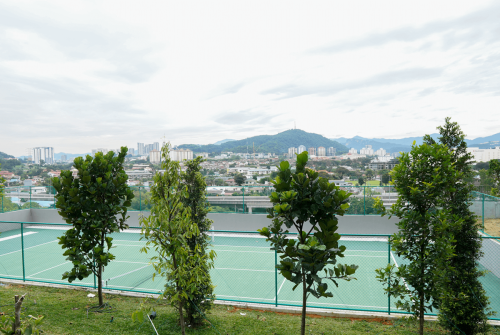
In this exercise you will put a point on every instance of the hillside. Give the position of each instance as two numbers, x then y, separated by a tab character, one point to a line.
4	155
278	143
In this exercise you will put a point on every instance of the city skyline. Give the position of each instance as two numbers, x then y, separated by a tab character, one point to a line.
146	71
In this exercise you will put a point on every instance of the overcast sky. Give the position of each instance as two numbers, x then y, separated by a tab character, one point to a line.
77	75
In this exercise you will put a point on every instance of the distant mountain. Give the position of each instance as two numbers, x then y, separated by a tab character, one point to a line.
278	143
404	144
222	141
4	155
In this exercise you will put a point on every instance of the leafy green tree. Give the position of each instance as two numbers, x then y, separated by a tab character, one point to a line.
168	229
218	182
422	179
462	300
302	197
341	171
482	166
386	178
95	204
361	206
33	204
361	181
202	298
494	173
239	179
369	174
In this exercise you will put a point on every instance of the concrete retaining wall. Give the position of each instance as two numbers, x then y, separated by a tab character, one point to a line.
22	215
349	224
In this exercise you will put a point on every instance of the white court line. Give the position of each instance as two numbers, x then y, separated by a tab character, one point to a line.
52	228
28	248
253	252
281	286
16	236
129	262
47	269
394	259
239	246
243	270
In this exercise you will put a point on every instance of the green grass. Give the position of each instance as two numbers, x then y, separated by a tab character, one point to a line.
367	182
65	312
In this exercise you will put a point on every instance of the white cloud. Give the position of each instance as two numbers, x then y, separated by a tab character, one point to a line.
84	74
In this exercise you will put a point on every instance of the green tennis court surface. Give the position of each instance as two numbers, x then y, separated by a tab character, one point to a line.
244	268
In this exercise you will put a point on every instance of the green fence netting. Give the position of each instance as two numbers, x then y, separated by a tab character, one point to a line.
244	267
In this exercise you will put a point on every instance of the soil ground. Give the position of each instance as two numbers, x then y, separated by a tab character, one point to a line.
491	226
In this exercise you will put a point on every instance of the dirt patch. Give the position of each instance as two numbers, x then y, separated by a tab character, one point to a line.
491	226
314	316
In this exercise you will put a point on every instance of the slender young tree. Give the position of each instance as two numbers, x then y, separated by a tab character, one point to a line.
463	304
303	198
422	179
167	230
494	173
95	204
192	179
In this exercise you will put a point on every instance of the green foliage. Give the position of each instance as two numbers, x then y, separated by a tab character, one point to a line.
361	181
278	143
33	204
361	206
422	178
463	301
10	164
202	298
482	166
386	178
168	229
302	197
95	204
2	180
239	179
8	205
29	326
494	174
4	155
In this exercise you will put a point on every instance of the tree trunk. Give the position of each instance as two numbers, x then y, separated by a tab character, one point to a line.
16	327
99	285
304	302
183	330
421	311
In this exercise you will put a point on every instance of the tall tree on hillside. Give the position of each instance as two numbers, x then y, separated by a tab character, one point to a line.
422	179
202	299
95	204
463	302
2	180
303	197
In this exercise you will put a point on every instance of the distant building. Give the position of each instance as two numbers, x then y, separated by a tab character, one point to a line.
312	151
378	165
484	155
180	155
353	151
64	158
131	151
104	151
331	151
292	152
202	154
321	151
301	149
140	149
380	152
43	153
367	150
155	156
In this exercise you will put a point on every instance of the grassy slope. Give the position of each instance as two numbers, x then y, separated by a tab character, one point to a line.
65	313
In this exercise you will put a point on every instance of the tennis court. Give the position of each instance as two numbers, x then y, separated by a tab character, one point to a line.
244	268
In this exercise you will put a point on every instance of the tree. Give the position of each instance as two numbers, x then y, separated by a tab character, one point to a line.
361	181
2	180
494	173
95	204
386	178
168	229
302	197
342	171
369	174
218	182
482	166
422	179
463	300
202	298
239	179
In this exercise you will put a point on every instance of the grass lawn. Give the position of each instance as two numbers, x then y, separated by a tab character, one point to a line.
367	182
65	312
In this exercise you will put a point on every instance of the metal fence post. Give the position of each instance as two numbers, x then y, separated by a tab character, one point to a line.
22	249
243	200
389	280
482	214
30	196
364	200
140	200
276	276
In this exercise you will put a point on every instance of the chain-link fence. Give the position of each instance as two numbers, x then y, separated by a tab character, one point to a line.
26	197
245	267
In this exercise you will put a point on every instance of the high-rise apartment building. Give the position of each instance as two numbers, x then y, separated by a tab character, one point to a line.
64	158
321	151
156	146
312	151
43	153
367	150
380	152
484	155
140	148
292	152
353	151
131	151
331	151
180	155
155	156
301	149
